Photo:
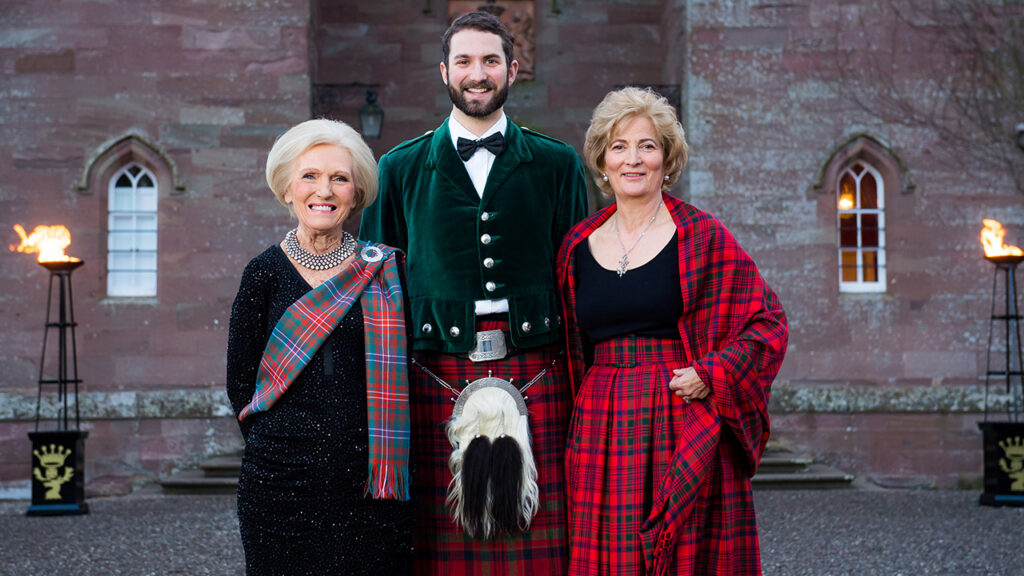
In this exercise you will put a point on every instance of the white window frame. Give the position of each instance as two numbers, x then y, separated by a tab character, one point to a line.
132	233
860	285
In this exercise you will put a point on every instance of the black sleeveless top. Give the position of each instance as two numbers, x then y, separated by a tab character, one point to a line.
645	301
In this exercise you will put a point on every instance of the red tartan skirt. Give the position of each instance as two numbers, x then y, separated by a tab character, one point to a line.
625	429
441	547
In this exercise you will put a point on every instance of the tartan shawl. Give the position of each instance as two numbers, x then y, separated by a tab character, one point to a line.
310	320
734	333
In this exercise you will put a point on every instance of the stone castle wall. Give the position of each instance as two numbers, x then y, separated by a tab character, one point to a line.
883	384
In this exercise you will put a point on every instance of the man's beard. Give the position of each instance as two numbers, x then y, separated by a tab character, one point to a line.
478	109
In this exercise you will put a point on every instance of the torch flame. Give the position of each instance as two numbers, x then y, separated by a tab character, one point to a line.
992	240
49	241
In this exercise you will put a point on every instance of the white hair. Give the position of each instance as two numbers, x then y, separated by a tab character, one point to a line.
301	137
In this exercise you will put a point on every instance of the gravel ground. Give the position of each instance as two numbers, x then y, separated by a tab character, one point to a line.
814	533
887	533
138	535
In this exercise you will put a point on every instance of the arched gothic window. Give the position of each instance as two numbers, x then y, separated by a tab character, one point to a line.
860	217
132	232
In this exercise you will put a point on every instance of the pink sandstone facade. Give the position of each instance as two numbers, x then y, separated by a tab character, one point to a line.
888	384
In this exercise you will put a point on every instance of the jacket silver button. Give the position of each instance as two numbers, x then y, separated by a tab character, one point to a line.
488	262
485	216
485	239
547	321
527	326
427	328
491	286
455	331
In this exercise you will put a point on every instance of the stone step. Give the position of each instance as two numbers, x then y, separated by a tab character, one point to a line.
783	461
196	482
813	477
780	469
222	466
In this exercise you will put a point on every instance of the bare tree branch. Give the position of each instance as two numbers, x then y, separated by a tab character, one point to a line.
955	67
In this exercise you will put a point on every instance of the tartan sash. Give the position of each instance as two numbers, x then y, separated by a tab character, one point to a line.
306	324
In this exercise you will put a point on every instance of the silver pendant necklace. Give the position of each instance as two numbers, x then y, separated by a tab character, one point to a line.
313	261
624	261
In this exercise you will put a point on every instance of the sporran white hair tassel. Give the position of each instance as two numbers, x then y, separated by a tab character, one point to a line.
490	436
476	470
506	485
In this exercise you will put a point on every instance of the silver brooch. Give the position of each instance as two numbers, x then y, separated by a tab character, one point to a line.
371	254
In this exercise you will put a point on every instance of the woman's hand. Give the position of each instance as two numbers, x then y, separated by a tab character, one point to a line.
687	385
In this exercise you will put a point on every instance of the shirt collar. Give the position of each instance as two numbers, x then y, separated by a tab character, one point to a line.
459	131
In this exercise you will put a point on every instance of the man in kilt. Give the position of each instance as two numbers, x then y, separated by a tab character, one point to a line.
480	206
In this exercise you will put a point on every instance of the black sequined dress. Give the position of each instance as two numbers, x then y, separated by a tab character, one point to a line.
301	508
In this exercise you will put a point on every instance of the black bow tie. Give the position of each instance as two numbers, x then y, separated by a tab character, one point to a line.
494	143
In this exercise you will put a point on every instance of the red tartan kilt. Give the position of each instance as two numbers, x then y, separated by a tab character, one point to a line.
625	429
441	546
621	440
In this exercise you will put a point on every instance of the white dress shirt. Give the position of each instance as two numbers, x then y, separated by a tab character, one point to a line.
478	167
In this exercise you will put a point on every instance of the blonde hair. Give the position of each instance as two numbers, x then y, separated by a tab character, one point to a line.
615	111
301	137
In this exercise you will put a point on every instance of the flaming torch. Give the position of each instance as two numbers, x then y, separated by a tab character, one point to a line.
58	478
992	240
1003	441
49	242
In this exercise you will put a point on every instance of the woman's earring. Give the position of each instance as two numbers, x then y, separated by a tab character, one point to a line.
604	177
666	177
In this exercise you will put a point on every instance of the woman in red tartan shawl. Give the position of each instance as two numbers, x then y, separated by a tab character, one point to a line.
674	340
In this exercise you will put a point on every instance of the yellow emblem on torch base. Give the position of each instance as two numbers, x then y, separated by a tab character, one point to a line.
52	458
1013	464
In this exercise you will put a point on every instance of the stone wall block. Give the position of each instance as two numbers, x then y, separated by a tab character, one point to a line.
62	62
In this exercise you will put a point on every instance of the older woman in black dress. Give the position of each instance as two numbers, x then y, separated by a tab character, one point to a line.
317	375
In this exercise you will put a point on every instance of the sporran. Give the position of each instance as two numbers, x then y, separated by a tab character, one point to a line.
493	491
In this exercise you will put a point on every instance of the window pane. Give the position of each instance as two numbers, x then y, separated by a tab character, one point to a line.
848	269
847	192
869	230
117	261
122	222
124	182
145	261
145	181
146	241
118	283
146	200
145	283
870	265
120	241
145	222
121	199
868	191
848	230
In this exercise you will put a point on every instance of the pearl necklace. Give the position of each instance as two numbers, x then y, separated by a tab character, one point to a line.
624	261
313	261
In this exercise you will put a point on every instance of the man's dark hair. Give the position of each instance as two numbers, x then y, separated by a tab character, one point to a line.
483	22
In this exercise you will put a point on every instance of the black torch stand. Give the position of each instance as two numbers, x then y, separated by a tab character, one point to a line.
58	456
1004	441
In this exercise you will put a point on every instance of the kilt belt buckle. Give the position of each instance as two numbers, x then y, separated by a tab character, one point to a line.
490	345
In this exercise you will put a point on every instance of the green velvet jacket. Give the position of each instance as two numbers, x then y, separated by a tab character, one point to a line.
462	248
